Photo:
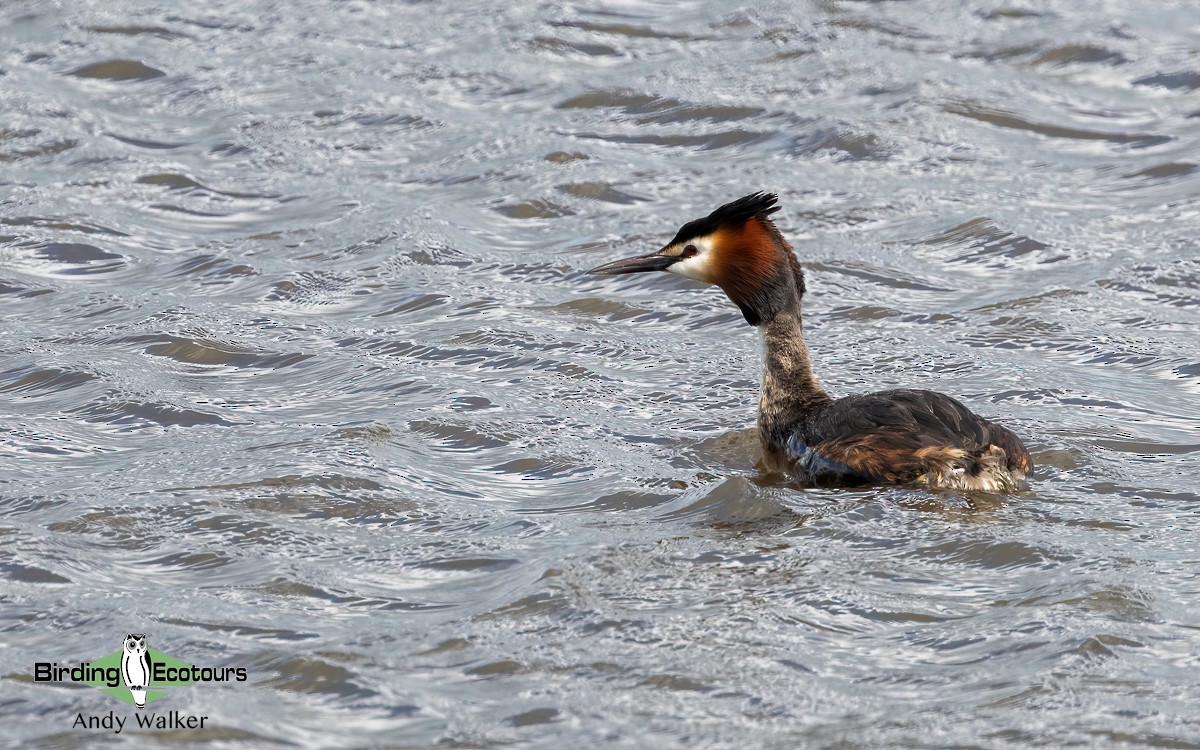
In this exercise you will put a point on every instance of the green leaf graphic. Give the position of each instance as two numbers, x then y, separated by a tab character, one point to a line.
168	667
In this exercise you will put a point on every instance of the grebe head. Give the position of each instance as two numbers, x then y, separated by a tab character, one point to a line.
738	248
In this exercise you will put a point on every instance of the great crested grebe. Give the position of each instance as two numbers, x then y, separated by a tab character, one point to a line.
901	436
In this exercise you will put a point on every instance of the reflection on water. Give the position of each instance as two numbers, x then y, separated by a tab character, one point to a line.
303	373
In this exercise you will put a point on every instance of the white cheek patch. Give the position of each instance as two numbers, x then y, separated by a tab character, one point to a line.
696	267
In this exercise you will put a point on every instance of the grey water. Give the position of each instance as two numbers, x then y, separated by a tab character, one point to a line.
300	371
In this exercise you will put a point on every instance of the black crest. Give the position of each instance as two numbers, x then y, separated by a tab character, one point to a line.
735	213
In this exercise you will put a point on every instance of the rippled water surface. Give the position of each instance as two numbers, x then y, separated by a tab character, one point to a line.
301	372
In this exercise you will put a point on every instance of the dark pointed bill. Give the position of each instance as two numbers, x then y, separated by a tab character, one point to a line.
654	262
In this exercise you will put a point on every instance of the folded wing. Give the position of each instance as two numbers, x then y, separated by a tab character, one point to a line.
907	436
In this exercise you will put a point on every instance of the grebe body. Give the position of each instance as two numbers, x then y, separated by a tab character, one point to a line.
897	436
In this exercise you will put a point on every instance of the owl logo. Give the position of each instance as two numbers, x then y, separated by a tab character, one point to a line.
135	667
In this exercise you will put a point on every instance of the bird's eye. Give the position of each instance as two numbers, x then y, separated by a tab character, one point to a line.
689	251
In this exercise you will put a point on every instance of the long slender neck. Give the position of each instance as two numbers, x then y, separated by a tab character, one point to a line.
767	283
790	391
